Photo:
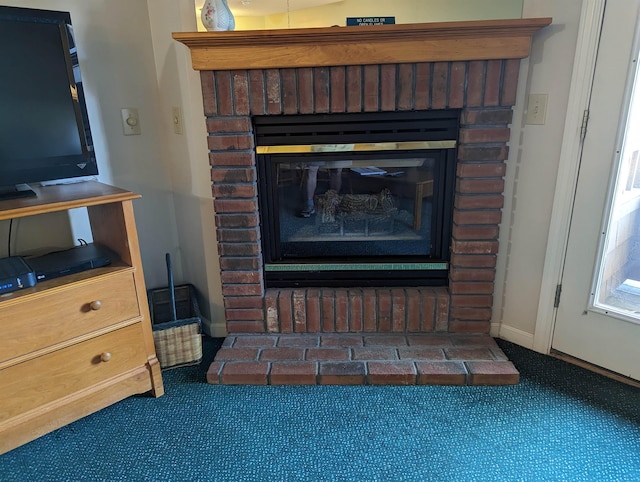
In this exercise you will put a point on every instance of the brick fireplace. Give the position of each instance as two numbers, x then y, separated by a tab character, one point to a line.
471	66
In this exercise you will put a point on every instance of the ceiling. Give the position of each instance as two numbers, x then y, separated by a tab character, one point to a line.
260	8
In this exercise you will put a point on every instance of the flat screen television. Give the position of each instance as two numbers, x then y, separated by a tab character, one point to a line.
44	128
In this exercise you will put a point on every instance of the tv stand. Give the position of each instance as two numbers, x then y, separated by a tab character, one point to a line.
16	192
73	345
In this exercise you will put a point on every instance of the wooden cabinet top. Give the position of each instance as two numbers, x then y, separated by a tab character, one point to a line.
62	197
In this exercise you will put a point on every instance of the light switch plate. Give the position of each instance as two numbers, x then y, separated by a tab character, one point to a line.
537	109
176	120
130	121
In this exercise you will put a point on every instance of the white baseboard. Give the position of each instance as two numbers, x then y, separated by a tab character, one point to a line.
214	330
516	336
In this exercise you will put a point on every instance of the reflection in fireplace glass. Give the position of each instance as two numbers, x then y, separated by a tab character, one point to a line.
362	207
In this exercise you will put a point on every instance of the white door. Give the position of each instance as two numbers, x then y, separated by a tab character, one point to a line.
598	317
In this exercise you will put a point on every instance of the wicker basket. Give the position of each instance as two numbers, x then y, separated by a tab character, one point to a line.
178	342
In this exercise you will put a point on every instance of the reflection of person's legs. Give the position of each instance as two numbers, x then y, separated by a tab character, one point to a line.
335	179
310	181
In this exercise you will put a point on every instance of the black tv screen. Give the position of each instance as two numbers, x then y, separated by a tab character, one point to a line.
44	129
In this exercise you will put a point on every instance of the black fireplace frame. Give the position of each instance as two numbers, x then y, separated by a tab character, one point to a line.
397	127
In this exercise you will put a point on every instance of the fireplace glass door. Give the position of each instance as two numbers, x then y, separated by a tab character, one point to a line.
356	214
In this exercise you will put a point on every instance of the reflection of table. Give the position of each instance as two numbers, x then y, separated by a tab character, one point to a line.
419	180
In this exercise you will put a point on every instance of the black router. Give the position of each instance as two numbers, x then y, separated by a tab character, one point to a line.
69	261
15	274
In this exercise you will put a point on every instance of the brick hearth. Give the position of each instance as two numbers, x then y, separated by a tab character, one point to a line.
484	88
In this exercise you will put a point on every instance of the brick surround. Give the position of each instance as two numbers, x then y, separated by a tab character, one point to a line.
485	90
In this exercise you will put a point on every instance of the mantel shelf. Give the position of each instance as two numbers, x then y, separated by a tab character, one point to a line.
334	46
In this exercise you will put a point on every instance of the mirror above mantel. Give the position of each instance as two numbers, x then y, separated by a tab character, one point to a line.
283	14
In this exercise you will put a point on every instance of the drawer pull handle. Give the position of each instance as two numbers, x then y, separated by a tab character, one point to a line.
105	357
96	305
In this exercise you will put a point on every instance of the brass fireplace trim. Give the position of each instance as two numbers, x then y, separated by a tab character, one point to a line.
386	44
358	147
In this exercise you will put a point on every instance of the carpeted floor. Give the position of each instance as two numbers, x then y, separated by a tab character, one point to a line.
560	423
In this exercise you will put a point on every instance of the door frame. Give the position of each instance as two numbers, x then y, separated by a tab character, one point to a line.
591	18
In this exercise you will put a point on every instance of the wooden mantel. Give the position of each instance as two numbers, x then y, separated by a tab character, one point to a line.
318	47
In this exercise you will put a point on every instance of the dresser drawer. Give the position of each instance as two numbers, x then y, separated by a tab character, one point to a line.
34	322
36	382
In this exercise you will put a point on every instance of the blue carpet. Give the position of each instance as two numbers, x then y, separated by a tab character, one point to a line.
559	423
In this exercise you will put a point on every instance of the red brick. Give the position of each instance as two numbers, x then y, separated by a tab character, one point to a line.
289	91
230	354
470	274
233	175
480	186
243	302
231	158
328	311
355	310
486	116
234	191
213	373
238	249
242	290
492	83
245	326
240	264
256	92
441	373
274	354
475	340
337	98
475	301
442	313
273	92
354	88
313	310
224	92
337	339
440	85
420	353
492	373
471	314
414	307
374	353
475	232
405	87
428	310
305	90
218	125
510	82
477	217
293	373
476	201
224	142
285	311
299	340
240	92
271	311
245	373
243	314
235	205
473	260
299	311
475	83
238	235
484	135
236	220
384	339
468	354
256	341
458	287
384	310
342	311
342	373
370	309
392	373
469	326
474	247
457	85
482	153
371	88
481	169
388	87
430	339
423	86
323	354
210	103
399	310
321	89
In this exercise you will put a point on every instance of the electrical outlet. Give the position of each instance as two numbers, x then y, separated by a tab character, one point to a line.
537	109
130	121
176	120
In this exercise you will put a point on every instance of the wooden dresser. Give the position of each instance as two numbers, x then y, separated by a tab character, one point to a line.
75	344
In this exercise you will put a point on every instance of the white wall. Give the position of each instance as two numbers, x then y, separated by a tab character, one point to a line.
118	69
531	171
